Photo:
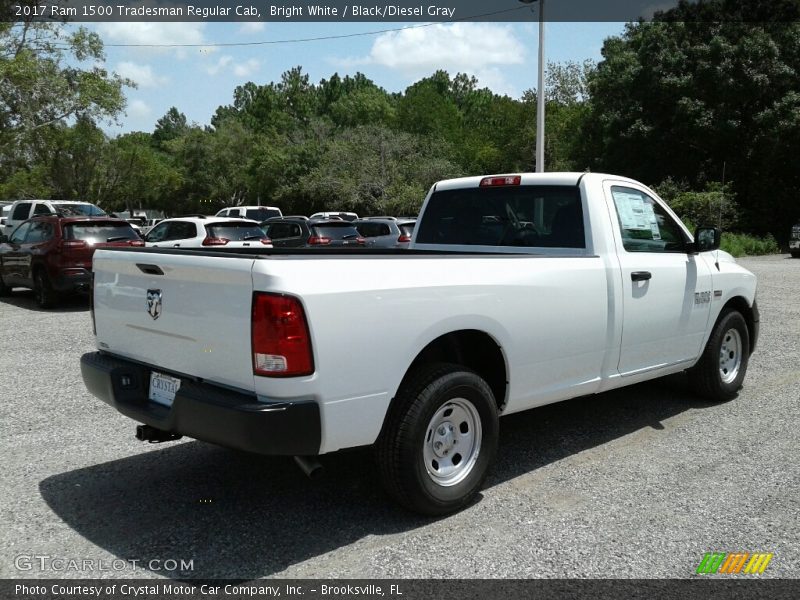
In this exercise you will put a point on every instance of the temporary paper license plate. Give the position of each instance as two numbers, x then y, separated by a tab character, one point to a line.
163	388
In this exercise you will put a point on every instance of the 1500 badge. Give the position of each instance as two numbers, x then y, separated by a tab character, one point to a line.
702	297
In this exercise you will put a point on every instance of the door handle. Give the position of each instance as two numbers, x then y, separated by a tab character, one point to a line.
641	275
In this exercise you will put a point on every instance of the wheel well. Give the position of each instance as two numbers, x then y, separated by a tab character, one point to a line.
471	348
740	304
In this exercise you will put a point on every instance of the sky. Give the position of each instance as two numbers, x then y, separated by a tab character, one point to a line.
199	79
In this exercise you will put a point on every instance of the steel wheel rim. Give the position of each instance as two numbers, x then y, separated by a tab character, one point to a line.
452	442
730	355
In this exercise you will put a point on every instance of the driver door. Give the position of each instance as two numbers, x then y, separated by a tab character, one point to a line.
666	290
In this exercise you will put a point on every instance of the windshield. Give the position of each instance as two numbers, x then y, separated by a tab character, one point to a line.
98	233
262	214
79	210
334	232
236	232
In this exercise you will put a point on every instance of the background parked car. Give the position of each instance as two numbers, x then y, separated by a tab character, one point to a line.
201	232
53	255
344	216
22	210
794	241
299	232
385	232
5	210
254	213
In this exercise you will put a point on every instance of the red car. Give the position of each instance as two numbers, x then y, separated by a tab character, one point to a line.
53	255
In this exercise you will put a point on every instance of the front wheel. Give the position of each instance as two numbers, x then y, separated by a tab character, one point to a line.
440	439
719	373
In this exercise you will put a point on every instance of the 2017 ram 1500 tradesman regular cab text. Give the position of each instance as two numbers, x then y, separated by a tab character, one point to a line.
517	291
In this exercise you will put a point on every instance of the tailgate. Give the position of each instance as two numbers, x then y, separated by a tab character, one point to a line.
183	313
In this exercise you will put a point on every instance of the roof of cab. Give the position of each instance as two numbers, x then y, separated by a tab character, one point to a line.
556	178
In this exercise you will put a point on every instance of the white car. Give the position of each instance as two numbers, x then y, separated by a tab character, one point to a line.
255	213
206	232
22	210
344	216
517	291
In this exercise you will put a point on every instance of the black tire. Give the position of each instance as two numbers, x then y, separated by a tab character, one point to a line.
795	254
429	392
42	290
711	377
4	289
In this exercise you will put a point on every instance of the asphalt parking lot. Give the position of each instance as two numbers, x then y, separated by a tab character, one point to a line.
639	482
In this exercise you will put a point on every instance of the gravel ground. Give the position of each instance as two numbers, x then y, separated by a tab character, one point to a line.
638	482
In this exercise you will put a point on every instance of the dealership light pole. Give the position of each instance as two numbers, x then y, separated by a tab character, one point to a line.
539	91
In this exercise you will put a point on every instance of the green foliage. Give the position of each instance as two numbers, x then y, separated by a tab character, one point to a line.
742	244
715	205
49	75
702	101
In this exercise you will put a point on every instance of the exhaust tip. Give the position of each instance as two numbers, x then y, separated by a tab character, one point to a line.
146	433
309	465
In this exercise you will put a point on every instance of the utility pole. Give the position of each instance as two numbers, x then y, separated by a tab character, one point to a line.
539	91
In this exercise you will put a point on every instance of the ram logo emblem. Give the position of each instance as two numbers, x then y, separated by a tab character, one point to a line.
154	303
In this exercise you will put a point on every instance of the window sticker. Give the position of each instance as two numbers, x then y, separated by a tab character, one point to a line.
632	212
651	216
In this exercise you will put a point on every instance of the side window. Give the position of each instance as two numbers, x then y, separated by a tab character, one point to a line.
41	209
295	231
21	211
182	230
19	233
278	231
39	232
234	212
157	233
644	224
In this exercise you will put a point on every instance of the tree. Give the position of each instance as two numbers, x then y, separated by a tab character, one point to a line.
48	75
696	93
170	126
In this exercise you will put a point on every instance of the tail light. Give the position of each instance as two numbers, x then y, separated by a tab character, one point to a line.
266	241
212	241
137	243
281	341
318	240
361	240
500	181
404	238
67	244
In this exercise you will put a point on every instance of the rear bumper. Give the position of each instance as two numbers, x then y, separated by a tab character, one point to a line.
71	279
204	411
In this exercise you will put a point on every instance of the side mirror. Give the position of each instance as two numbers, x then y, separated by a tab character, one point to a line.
707	238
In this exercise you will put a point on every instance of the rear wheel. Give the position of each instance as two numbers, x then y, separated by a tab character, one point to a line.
440	439
795	254
719	373
4	289
42	290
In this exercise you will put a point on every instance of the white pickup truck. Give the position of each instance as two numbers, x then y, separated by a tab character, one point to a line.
517	291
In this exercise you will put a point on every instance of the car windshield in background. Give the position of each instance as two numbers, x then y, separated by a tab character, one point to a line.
95	233
524	216
261	214
236	232
345	231
80	210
